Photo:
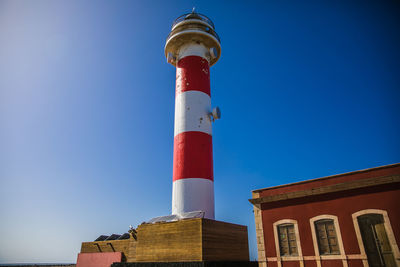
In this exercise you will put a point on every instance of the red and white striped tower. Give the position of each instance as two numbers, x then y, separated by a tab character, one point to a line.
193	46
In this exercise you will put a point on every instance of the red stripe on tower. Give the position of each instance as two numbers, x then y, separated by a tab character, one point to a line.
193	156
193	73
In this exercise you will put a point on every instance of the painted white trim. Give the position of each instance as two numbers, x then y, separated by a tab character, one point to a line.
193	194
388	229
342	255
191	112
280	258
193	49
313	258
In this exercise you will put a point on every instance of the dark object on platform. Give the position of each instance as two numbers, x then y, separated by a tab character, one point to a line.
102	238
124	236
112	237
188	264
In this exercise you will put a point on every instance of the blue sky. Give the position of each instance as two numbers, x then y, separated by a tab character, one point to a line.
306	89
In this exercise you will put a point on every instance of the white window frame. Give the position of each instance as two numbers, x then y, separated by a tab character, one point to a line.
342	255
388	229
280	258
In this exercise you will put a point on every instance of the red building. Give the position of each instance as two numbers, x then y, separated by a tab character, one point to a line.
350	219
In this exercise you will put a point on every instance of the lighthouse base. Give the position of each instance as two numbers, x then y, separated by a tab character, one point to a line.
189	240
192	240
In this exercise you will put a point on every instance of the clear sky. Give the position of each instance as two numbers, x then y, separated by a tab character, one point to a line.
306	89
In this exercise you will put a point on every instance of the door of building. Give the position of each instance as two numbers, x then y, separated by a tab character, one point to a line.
375	240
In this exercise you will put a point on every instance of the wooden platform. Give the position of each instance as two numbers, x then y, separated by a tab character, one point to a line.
191	240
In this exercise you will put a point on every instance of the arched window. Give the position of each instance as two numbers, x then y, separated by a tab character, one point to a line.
326	237
287	240
375	238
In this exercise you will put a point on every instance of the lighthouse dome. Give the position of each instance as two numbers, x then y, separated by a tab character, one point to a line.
193	28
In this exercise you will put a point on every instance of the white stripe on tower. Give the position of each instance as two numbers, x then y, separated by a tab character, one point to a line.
191	112
193	181
193	194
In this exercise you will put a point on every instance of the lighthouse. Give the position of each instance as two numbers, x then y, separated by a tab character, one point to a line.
191	236
193	47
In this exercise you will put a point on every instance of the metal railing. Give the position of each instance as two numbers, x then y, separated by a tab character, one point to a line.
197	27
193	15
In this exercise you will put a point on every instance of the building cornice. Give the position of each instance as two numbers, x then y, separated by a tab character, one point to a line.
364	183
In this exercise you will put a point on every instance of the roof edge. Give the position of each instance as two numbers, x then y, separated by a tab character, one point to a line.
328	177
340	187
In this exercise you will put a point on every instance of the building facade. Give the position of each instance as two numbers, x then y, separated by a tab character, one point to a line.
350	219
